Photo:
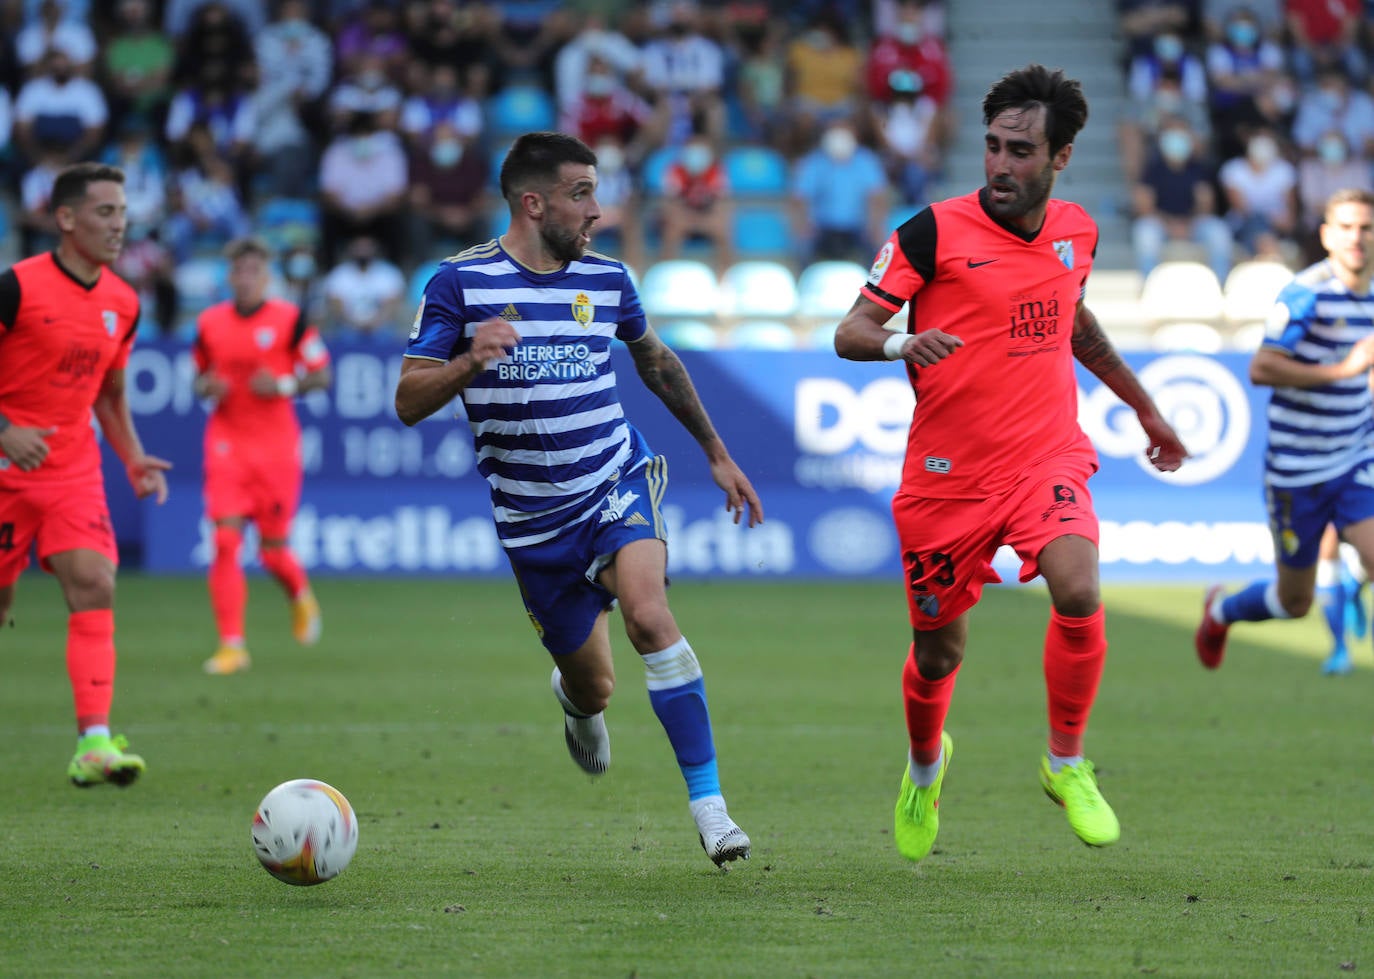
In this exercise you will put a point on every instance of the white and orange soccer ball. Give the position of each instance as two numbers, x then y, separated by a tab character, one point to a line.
305	832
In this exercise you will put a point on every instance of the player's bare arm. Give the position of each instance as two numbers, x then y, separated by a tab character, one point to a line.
265	384
210	386
862	335
1094	351
663	373
1272	367
146	473
427	385
24	445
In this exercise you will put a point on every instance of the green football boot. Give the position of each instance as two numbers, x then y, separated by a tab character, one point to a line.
101	758
1075	789
917	816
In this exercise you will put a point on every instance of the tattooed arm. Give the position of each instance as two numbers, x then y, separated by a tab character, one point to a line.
1094	351
664	374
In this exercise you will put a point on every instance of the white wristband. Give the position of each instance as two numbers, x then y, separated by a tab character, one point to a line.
287	385
894	345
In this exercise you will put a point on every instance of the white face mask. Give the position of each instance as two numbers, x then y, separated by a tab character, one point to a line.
909	33
1262	150
1175	145
599	84
446	152
696	158
610	158
1332	151
839	144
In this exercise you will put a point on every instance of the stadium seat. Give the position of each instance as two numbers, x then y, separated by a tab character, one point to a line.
656	164
1250	291
1181	291
763	230
689	335
1181	337
826	290
680	287
756	171
758	288
519	109
763	335
200	282
418	280
1247	337
821	337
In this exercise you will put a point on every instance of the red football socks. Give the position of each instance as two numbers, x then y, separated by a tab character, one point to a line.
1075	651
91	665
282	565
927	705
228	585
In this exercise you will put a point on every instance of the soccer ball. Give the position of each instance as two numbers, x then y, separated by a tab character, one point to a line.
305	832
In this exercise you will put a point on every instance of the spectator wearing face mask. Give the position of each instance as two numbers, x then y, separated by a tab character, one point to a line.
363	294
1168	53
909	46
1329	168
619	229
1174	200
1140	123
1261	197
363	182
1239	64
839	198
448	194
1335	104
608	109
696	203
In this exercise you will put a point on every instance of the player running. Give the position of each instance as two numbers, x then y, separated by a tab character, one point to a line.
995	281
67	324
1319	462
522	327
254	355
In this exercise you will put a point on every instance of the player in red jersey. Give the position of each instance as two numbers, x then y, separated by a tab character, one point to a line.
67	324
253	355
995	281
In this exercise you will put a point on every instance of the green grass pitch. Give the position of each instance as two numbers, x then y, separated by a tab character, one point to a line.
1246	797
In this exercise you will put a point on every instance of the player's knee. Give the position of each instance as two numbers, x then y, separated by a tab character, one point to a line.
936	656
91	588
590	694
228	538
650	629
1296	605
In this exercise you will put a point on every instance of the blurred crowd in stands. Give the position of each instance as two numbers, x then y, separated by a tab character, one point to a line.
1243	118
362	137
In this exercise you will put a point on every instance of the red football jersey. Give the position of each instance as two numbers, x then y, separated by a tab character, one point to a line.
58	340
235	346
1008	397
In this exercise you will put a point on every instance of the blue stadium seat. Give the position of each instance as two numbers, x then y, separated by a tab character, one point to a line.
689	335
680	287
763	335
519	109
656	164
201	282
763	230
756	171
758	288
826	290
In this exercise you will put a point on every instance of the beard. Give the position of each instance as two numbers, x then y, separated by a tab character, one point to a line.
564	244
1028	197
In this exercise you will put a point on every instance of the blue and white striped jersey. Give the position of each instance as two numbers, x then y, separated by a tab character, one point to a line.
547	422
1316	434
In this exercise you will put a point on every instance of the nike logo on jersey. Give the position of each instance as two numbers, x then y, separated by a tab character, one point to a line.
978	265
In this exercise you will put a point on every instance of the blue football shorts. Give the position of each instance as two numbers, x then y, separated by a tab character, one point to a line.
1298	515
558	578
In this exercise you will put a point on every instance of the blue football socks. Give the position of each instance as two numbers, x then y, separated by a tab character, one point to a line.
677	694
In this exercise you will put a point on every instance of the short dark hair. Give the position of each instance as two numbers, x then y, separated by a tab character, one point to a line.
1066	110
247	245
69	189
534	158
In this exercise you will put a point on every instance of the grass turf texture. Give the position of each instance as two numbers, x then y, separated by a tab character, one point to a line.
1245	798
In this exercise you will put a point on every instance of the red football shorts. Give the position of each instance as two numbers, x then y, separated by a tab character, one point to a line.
262	487
948	545
65	516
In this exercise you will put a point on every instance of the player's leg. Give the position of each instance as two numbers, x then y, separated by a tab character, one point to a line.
1331	597
1297	520
87	578
583	682
677	689
228	587
277	498
947	549
1074	654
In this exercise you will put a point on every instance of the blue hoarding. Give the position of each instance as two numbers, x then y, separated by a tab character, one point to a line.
821	438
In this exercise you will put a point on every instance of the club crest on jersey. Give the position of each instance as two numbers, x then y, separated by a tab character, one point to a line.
583	310
1063	250
263	337
880	264
111	320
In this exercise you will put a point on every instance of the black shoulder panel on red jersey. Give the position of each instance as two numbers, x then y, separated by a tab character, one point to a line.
298	330
917	238
133	327
9	298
